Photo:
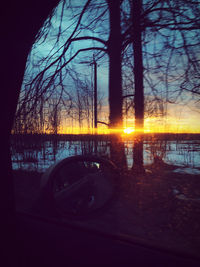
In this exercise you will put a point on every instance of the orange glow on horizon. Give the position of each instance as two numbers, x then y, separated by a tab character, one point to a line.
179	119
128	130
152	125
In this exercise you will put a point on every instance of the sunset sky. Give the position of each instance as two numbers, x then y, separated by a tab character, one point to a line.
182	117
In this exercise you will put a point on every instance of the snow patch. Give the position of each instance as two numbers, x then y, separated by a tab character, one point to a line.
187	171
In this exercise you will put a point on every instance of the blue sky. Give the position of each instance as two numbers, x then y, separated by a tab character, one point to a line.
157	76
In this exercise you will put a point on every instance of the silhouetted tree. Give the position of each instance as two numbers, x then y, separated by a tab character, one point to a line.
171	61
59	66
120	24
115	61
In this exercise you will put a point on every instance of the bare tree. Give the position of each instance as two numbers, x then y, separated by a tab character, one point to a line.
160	36
57	65
165	53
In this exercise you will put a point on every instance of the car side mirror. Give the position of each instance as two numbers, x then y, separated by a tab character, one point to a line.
77	186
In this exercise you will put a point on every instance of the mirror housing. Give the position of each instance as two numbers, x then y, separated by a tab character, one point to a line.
77	186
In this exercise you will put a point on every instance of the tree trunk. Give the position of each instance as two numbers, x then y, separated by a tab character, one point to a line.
138	66
118	156
20	22
139	87
115	76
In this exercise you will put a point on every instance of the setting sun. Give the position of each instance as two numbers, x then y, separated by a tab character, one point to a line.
128	130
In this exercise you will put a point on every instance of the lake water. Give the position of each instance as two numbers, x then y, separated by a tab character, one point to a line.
39	156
